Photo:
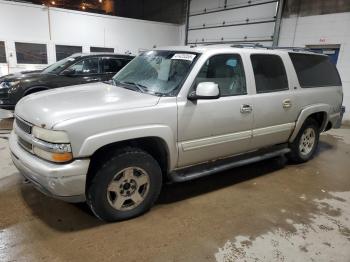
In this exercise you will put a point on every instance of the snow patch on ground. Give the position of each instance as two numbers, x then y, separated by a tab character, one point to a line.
342	134
326	236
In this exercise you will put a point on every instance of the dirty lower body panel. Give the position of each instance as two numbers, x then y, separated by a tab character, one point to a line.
266	211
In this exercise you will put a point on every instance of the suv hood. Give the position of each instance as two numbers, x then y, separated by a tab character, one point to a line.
25	75
50	107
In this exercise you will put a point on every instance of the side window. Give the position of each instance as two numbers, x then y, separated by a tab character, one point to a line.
225	70
269	72
86	66
315	70
112	65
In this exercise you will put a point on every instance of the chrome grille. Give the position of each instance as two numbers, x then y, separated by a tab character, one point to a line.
27	146
25	127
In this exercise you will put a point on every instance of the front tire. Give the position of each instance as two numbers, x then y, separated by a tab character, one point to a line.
305	144
126	186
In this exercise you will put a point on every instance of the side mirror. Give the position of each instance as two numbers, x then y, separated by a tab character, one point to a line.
68	72
205	90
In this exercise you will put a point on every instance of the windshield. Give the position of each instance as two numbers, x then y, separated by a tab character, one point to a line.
59	65
156	72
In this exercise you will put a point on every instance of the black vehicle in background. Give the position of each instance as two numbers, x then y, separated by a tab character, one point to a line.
73	70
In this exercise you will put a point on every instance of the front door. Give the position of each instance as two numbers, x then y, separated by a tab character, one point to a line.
84	71
209	129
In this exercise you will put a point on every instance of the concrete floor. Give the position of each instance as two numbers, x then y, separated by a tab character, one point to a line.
269	211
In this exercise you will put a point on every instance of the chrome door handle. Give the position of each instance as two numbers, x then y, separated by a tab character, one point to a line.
287	103
245	108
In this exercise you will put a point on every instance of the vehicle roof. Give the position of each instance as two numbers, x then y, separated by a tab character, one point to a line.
237	47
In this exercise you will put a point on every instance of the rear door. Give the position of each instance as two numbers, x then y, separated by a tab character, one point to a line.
275	109
110	66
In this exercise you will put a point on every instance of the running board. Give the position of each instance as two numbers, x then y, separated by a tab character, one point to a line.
211	168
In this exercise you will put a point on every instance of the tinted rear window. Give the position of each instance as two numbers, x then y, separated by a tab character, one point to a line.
315	70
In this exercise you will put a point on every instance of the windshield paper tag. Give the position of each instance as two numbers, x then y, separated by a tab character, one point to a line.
188	57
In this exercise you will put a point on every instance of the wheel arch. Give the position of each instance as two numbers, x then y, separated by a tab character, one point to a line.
155	146
319	112
34	89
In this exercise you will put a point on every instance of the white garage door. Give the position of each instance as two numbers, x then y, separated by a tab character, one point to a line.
231	21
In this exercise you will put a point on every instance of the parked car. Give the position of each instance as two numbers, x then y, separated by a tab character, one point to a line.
173	115
74	70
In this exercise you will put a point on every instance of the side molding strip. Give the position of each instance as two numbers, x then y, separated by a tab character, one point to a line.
215	140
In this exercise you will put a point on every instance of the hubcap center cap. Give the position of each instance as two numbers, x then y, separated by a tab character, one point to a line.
128	187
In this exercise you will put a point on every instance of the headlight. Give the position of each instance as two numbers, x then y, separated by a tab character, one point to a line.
13	83
51	136
51	145
3	85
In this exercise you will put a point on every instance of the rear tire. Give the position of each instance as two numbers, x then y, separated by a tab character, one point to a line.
125	186
305	144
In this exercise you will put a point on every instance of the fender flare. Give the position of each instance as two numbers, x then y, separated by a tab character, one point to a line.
92	143
305	113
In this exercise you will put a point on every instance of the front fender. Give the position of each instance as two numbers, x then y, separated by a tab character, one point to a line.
305	113
94	142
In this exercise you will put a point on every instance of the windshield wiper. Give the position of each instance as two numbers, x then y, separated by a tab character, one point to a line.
142	88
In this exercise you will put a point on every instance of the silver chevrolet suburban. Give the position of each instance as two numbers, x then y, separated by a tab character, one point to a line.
173	115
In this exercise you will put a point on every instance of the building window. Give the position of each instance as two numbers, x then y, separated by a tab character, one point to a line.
63	51
269	72
2	52
28	53
101	49
315	70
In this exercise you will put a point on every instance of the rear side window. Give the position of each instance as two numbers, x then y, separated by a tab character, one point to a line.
269	72
315	70
112	65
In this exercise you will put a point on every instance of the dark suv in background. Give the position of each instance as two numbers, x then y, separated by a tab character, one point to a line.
73	70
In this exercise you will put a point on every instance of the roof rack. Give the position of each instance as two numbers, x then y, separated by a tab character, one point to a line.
295	49
251	45
257	45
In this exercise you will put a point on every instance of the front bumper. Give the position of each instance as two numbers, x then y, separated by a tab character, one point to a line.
61	181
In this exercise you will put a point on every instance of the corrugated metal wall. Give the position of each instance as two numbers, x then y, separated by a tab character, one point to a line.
229	21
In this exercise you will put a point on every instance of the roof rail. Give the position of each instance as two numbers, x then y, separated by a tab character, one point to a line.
296	49
251	45
257	45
